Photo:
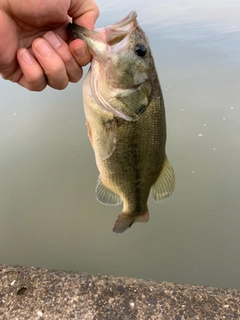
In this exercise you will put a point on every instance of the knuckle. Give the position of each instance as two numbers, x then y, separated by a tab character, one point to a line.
11	77
59	85
37	88
33	85
75	77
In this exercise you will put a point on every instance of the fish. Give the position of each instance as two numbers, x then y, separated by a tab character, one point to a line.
125	117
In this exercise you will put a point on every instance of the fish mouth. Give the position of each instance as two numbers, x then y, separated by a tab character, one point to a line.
125	21
99	39
117	32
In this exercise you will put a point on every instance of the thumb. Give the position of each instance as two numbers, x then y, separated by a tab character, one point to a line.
84	13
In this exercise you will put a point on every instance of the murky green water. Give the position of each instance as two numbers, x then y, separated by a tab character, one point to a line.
48	213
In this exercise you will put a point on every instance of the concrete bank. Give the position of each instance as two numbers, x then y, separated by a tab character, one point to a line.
35	293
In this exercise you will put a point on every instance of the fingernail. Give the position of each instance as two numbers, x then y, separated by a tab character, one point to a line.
43	48
53	39
26	56
80	51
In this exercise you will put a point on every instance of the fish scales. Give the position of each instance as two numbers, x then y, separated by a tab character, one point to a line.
125	114
131	160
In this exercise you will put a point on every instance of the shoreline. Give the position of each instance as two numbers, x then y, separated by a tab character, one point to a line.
39	293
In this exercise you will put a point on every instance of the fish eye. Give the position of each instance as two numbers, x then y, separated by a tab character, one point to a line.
140	50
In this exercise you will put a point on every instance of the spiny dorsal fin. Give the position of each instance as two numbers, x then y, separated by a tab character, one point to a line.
165	183
105	195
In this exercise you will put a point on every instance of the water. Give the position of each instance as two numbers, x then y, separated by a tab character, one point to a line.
48	213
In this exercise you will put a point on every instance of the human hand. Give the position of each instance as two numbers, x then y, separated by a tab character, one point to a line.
33	41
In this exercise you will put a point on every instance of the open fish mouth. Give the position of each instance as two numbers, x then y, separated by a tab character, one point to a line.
122	23
99	38
117	32
113	48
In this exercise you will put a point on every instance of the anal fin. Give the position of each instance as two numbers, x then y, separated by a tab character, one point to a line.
165	183
105	195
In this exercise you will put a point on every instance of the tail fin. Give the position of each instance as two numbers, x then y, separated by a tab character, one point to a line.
124	221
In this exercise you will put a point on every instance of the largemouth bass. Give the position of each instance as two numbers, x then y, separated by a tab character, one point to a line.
125	115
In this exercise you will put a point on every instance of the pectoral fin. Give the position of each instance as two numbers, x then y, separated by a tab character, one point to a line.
105	195
89	133
107	142
165	183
